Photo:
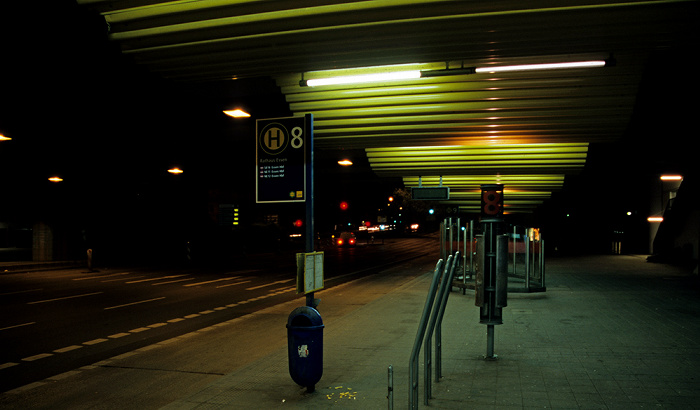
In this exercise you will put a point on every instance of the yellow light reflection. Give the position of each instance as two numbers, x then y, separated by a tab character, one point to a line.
175	171
4	138
55	179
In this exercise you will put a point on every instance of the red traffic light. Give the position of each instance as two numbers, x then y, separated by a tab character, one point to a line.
343	206
298	223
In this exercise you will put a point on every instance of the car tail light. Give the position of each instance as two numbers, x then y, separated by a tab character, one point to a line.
340	242
351	241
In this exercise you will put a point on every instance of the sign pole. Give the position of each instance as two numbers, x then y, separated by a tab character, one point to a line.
310	228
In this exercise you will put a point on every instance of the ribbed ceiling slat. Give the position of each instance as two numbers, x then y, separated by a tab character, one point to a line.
526	130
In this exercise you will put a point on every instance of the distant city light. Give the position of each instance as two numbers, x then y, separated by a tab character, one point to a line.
655	219
175	171
345	162
237	113
671	177
4	138
55	179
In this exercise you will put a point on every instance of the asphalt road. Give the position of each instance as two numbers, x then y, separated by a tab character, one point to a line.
55	321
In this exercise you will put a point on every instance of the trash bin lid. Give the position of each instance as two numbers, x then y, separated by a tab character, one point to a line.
304	316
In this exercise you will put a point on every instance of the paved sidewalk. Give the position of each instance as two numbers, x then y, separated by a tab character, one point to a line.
611	332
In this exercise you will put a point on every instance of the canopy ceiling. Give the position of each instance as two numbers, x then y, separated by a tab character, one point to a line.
527	130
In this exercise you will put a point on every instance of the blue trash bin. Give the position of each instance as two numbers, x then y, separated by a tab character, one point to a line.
305	346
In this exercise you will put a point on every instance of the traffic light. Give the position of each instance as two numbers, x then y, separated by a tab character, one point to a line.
343	206
492	201
298	223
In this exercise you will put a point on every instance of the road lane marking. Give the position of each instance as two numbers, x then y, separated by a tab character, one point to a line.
101	276
134	303
171	281
64	298
21	291
95	341
155	279
15	326
233	284
67	349
8	364
192	316
120	279
139	330
37	357
118	335
269	284
177	319
156	325
211	281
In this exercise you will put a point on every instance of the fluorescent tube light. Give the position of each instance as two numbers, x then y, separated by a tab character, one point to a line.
547	66
362	78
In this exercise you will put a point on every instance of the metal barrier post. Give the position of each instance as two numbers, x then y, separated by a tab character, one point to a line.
440	304
413	362
390	389
441	314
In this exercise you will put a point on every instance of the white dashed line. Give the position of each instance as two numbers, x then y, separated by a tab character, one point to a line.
37	357
94	342
64	298
134	303
269	284
23	324
67	349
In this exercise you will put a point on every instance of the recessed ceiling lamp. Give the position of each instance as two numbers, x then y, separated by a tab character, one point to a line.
237	113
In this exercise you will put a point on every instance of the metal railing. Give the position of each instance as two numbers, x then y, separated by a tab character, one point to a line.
431	323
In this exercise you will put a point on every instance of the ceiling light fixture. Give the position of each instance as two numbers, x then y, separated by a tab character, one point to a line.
546	66
671	177
415	74
237	113
362	78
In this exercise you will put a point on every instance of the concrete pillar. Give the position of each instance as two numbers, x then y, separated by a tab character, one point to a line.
42	242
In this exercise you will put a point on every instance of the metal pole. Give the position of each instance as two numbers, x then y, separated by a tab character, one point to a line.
413	362
527	260
441	314
439	305
390	393
542	262
310	235
489	341
515	247
471	244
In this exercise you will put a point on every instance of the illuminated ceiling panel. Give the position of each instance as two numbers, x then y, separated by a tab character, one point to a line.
470	129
